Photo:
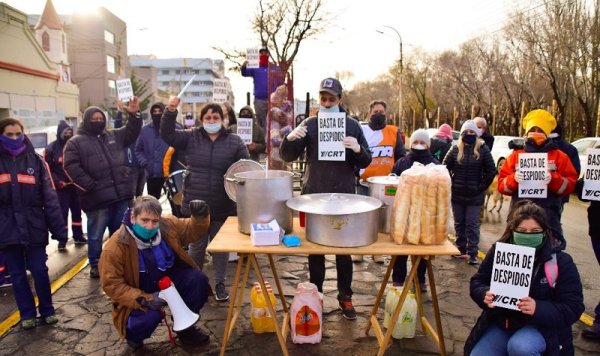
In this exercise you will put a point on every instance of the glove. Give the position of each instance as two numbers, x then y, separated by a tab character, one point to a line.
548	178
297	133
351	143
519	177
61	184
199	208
155	303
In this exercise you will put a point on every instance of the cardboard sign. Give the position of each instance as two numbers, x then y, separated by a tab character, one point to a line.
511	274
244	129
219	90
332	130
535	169
124	89
252	57
591	175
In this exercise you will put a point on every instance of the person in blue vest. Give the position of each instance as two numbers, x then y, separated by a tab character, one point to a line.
67	194
542	323
29	207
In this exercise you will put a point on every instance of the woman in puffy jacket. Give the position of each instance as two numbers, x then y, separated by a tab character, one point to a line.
472	170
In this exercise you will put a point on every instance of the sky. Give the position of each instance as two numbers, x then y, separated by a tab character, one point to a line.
180	28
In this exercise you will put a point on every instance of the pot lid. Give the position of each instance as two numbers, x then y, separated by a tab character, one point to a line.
333	203
391	179
243	165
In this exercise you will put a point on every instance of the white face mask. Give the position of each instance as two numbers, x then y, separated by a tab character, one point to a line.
189	122
335	108
419	147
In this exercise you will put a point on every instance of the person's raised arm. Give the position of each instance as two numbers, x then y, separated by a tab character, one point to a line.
168	132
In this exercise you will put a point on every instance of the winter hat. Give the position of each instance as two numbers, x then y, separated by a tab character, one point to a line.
420	135
539	118
445	131
470	125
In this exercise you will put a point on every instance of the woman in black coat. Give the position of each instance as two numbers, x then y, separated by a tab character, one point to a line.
542	325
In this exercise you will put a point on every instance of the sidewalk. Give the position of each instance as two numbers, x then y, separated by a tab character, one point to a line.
85	326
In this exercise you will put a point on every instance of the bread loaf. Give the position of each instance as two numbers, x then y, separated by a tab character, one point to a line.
401	210
414	217
428	210
443	199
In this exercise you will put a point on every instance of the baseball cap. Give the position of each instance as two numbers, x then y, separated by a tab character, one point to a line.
331	86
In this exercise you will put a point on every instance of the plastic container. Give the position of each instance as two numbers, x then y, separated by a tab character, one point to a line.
260	318
306	315
407	320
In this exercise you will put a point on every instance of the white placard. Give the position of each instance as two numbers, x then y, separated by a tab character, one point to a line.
244	129
535	168
511	274
219	90
332	130
124	89
252	57
591	175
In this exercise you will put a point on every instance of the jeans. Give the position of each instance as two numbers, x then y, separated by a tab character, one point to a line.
68	199
466	224
495	342
197	250
19	259
400	271
97	222
192	286
343	265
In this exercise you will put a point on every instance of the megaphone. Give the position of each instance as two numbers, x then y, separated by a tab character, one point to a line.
183	317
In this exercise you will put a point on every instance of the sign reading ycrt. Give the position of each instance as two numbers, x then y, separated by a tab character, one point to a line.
591	176
511	274
534	167
332	130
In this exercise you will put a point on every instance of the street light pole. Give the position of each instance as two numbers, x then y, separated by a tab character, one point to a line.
400	107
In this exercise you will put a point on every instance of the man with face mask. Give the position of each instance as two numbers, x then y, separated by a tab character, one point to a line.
67	194
267	77
258	144
95	163
538	125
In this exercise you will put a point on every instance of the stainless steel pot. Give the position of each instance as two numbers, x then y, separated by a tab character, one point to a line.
261	197
384	189
339	220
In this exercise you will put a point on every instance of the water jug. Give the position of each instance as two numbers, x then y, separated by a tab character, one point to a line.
260	318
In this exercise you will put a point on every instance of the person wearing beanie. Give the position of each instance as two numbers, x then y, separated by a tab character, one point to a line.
258	144
95	162
485	135
472	170
538	125
67	194
419	152
441	142
386	146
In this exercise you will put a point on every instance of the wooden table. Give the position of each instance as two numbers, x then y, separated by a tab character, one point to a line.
229	239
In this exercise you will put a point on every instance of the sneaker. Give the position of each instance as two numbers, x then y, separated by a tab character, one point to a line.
462	256
378	258
592	332
80	240
221	294
357	258
62	247
94	273
50	320
28	324
347	309
473	260
193	337
134	345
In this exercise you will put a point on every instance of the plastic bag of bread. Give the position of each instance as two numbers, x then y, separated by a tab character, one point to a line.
420	210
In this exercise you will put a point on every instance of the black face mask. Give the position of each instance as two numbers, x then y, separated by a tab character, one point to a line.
97	127
418	151
470	139
156	120
377	121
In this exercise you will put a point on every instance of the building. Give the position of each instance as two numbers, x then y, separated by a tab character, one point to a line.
34	84
172	74
148	75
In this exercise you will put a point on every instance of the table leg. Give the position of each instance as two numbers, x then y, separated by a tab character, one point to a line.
259	275
436	309
381	292
240	295
419	299
228	324
278	284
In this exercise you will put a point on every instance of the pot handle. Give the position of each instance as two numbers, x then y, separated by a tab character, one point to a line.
233	180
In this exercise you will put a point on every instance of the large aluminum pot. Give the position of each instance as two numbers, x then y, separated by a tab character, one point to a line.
261	197
384	189
339	220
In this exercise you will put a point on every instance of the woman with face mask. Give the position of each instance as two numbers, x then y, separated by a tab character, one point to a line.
209	150
472	170
542	323
419	152
561	177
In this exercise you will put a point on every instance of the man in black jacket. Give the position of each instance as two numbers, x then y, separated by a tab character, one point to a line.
324	175
95	162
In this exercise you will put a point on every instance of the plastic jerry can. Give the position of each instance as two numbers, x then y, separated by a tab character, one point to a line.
260	318
389	308
407	320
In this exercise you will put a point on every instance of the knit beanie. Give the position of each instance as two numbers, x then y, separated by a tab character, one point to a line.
539	118
470	125
445	131
420	135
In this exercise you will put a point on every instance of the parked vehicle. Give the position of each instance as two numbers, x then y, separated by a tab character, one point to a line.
502	149
40	138
582	145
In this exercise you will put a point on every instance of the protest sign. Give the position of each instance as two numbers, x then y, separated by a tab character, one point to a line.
332	130
124	89
591	175
219	90
244	129
511	274
252	57
534	167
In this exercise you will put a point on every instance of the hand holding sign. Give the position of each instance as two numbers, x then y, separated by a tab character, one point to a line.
548	178
133	106
489	299
351	143
527	305
297	133
519	177
173	103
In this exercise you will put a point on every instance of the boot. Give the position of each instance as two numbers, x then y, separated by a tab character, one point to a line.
192	337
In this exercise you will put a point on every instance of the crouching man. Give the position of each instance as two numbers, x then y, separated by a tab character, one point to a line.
146	248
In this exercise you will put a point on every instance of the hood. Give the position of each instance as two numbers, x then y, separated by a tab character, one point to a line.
85	127
157	105
248	108
60	130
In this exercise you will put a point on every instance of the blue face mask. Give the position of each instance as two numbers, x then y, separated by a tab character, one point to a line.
335	108
12	143
143	233
212	128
